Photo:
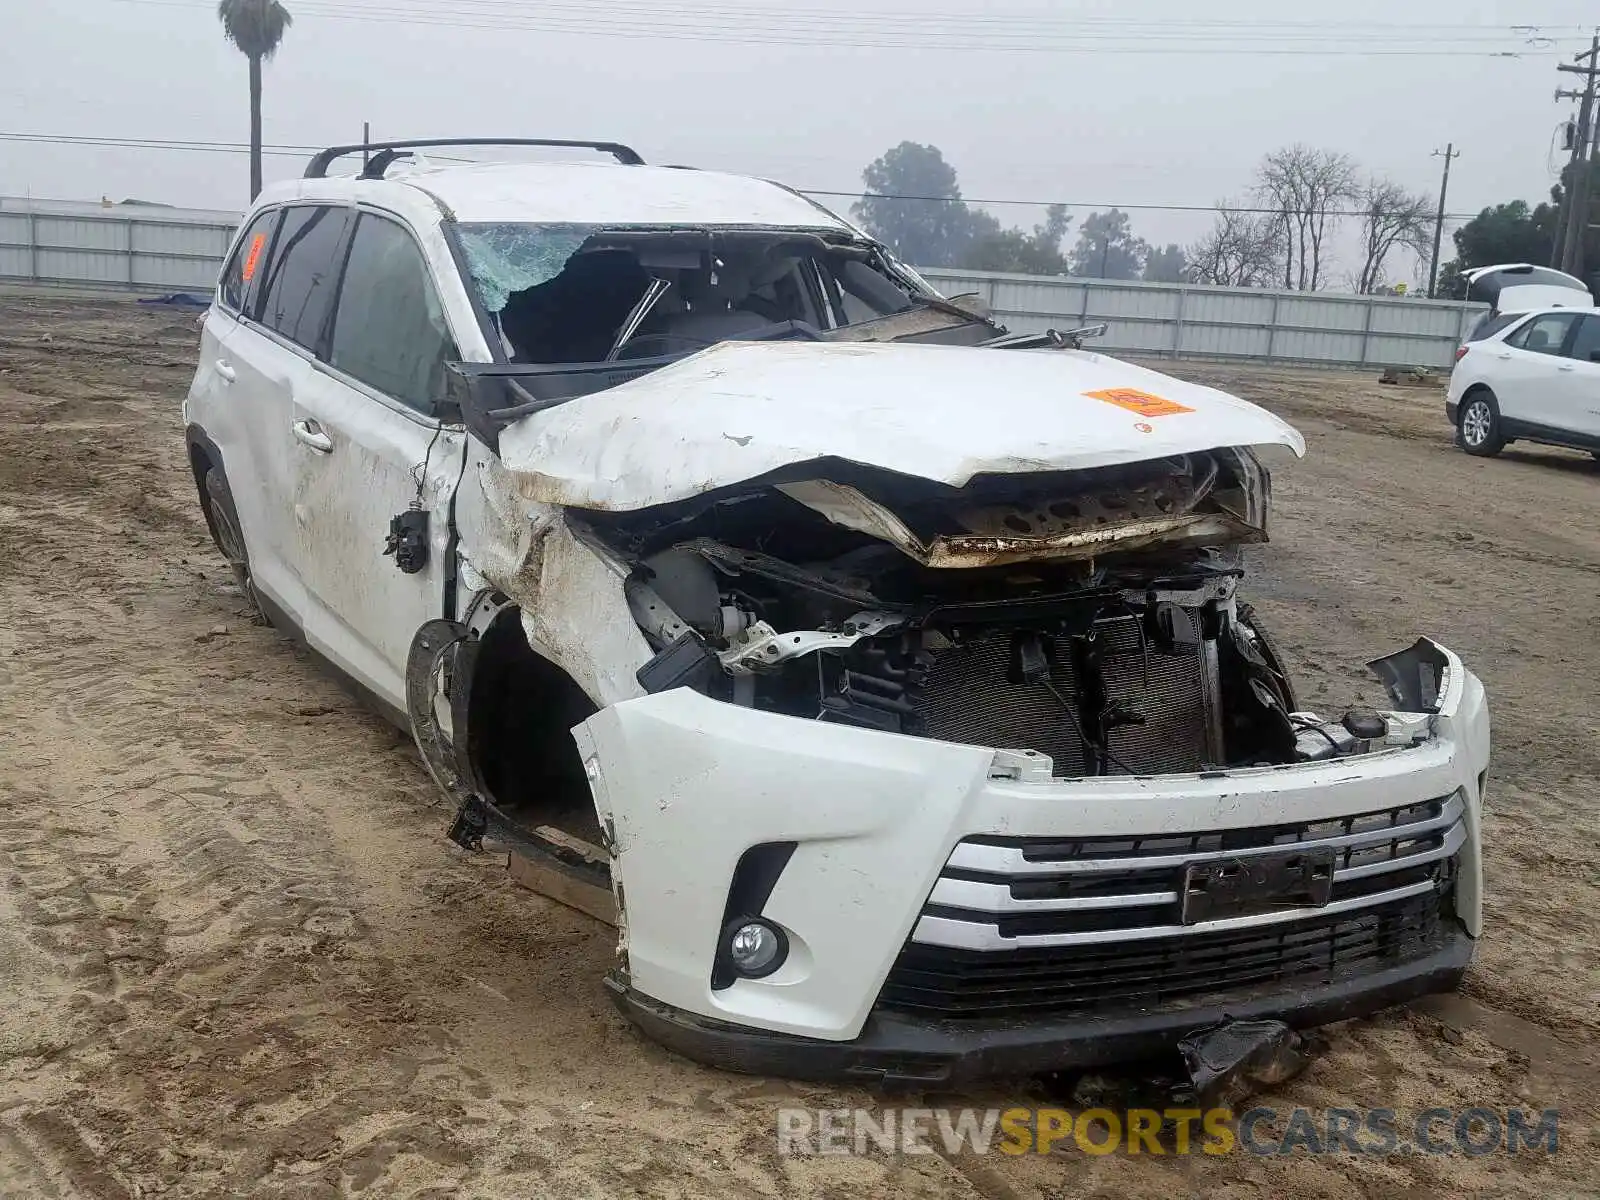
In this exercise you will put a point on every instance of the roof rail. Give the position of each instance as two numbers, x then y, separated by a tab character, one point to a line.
387	152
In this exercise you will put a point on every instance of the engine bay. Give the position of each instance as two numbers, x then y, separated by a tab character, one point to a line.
1088	617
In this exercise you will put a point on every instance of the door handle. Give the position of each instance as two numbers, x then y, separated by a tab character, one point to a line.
310	433
225	371
1503	356
1564	367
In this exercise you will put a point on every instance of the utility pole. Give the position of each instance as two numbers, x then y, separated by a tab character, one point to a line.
1574	227
1447	154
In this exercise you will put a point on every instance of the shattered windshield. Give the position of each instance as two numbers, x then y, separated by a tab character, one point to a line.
587	294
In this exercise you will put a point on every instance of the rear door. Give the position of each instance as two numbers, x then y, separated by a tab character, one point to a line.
240	408
1578	381
272	355
369	453
1524	370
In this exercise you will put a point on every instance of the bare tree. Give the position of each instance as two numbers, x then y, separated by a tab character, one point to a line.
1243	249
1394	219
1306	188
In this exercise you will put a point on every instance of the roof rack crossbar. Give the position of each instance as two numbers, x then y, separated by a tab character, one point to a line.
317	168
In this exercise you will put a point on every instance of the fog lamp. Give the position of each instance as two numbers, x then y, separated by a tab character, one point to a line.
756	948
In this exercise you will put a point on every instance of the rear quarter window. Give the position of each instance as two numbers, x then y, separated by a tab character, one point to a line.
238	287
1488	325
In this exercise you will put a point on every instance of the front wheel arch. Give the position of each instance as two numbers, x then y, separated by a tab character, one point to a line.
511	715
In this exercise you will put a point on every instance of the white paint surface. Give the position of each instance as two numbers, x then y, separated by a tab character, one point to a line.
945	413
690	783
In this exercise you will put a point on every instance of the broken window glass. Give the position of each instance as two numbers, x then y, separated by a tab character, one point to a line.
563	293
509	258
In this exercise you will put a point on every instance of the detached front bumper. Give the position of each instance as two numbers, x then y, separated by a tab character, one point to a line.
951	913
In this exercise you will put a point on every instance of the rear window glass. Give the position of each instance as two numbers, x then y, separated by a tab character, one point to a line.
302	271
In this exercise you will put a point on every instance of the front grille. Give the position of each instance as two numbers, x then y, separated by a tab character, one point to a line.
1065	924
967	696
967	984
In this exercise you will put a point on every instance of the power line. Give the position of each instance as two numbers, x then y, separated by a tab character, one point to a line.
290	150
1029	23
834	30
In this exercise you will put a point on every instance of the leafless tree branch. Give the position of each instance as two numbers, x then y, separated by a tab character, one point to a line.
1395	220
1242	249
1306	187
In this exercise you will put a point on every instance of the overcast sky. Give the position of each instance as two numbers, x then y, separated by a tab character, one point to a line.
1096	102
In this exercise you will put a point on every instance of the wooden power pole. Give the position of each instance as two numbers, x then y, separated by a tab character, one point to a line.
1448	153
1573	229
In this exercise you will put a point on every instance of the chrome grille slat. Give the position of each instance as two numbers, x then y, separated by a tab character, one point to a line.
997	897
1009	861
980	935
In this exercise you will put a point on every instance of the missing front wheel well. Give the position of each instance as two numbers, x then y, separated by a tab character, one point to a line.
522	709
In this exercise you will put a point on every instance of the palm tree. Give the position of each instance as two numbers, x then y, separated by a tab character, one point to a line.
255	27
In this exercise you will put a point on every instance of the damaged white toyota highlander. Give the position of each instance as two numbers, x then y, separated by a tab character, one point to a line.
884	676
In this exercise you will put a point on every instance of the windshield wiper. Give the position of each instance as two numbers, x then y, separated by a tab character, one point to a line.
641	310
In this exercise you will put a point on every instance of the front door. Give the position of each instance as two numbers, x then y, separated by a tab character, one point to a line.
1578	382
375	470
1526	377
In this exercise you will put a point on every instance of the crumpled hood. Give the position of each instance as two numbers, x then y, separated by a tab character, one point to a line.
740	410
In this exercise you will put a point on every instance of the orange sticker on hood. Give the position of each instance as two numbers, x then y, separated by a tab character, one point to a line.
1143	403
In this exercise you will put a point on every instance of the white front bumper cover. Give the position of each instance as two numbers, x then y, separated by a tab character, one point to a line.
685	785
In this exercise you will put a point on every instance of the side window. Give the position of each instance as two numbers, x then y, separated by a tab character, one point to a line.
240	277
1488	325
1545	334
1586	347
390	330
301	273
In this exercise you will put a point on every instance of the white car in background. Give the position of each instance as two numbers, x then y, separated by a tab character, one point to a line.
884	673
1531	376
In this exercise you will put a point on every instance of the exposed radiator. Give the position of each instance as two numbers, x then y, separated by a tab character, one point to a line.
966	695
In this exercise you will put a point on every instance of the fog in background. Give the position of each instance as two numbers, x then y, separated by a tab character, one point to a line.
1091	103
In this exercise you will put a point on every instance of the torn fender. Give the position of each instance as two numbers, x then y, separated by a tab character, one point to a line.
742	410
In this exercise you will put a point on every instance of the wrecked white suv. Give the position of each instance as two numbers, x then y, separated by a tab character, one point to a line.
881	674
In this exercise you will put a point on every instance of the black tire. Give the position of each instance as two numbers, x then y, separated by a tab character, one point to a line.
1478	424
229	538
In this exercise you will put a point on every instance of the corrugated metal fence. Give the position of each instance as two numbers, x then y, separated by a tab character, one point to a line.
151	248
135	247
1189	320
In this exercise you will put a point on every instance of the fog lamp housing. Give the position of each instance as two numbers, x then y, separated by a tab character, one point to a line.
754	948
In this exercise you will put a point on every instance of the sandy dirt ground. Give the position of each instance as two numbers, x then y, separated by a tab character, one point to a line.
238	957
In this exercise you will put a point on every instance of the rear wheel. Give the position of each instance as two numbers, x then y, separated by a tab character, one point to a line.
229	538
1479	424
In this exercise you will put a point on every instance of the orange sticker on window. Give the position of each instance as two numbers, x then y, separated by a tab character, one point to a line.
1139	402
259	241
